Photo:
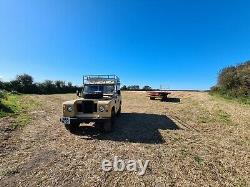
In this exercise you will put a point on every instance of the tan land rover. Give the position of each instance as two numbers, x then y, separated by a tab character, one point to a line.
99	102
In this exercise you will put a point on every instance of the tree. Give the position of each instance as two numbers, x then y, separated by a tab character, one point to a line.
1	85
146	88
228	78
69	84
59	84
134	87
124	87
234	81
25	82
15	86
49	87
25	79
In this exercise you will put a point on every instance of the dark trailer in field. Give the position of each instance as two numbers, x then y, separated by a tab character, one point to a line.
162	95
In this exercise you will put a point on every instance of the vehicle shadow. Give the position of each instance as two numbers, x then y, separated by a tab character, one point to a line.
172	100
134	128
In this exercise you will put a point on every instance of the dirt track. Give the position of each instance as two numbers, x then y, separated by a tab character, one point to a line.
200	141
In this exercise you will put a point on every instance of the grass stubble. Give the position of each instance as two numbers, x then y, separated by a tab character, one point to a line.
210	147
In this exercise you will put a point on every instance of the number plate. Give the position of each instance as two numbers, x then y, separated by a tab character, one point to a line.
66	120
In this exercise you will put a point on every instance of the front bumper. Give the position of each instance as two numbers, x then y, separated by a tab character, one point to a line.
82	120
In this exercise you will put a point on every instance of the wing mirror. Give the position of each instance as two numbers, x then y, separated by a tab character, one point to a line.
118	92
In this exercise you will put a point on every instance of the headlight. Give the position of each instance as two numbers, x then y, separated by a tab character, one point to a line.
70	108
101	108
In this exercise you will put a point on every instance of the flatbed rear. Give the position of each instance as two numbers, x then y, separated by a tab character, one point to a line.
163	95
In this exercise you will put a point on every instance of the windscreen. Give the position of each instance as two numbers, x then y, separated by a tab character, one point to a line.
106	89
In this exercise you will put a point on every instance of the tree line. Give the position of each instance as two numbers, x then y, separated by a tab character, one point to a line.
136	88
25	84
234	81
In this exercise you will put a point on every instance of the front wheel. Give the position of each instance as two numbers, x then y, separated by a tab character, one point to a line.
108	125
119	111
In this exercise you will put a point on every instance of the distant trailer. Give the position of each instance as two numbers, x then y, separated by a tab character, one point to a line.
163	95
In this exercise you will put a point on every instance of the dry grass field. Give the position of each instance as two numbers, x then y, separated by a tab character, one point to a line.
199	141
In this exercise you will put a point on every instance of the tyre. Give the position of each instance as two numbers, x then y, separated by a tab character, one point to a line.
152	98
112	118
108	125
119	111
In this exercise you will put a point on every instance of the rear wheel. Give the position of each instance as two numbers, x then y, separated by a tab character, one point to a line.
152	98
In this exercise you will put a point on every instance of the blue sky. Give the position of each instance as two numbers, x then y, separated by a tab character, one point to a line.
180	44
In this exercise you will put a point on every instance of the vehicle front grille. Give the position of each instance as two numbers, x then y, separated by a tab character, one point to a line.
87	107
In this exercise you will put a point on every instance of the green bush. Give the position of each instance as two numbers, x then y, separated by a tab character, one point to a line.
1	94
234	81
1	85
25	84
